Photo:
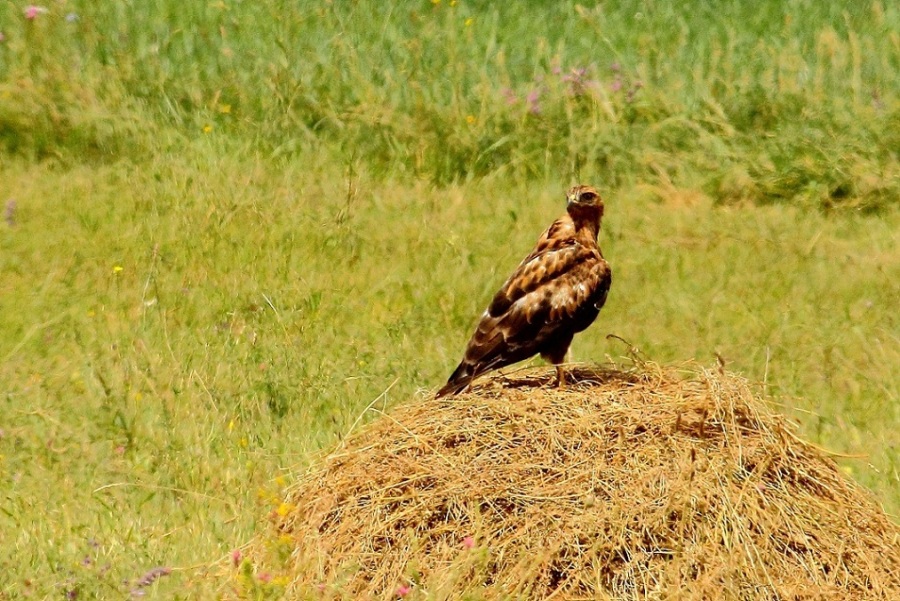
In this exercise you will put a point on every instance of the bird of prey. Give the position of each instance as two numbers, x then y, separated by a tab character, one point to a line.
556	292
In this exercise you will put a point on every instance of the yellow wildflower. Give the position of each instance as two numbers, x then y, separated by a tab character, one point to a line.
470	119
284	509
207	128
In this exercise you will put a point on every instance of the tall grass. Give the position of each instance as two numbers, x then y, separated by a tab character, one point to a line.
767	102
175	334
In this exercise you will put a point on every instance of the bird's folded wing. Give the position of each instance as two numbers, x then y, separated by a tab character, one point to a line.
537	300
545	273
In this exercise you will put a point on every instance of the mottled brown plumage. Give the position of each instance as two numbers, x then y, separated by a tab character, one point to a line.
556	292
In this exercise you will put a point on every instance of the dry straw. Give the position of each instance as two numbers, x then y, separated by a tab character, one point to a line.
644	484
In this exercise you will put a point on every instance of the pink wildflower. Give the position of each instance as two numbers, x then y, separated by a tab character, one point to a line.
265	577
468	542
403	590
236	557
32	11
533	101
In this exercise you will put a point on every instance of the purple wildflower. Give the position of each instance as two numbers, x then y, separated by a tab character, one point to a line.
151	577
510	96
575	76
616	85
578	85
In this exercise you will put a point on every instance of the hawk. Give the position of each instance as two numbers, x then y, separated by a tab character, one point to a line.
556	292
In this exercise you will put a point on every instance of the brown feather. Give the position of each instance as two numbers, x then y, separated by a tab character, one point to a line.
554	293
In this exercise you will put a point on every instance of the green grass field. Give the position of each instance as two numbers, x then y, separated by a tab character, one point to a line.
230	226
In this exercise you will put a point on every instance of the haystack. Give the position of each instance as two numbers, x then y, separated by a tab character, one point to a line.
644	484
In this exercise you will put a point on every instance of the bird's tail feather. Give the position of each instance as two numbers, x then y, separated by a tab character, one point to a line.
462	376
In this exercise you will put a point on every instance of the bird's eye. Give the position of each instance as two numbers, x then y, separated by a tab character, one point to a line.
587	196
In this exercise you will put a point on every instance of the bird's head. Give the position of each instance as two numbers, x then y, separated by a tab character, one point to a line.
584	200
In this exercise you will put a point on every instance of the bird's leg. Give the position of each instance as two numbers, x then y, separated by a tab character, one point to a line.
560	377
557	356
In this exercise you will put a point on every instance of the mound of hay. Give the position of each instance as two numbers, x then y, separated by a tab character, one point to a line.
627	485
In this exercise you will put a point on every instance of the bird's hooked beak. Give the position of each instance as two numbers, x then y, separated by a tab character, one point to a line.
571	198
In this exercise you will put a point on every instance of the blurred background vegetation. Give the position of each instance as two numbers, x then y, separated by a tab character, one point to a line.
767	102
